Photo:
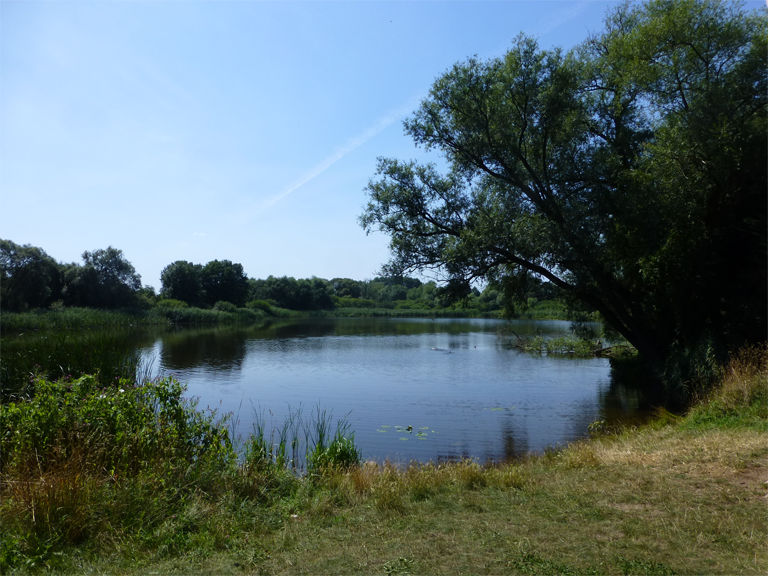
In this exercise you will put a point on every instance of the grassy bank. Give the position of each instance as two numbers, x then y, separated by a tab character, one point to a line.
160	490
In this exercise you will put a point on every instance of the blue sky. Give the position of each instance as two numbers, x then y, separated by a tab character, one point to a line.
244	131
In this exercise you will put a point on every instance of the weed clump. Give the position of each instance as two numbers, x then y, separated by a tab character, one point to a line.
301	444
78	457
741	395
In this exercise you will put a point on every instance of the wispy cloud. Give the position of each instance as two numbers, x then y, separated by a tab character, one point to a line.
552	21
349	146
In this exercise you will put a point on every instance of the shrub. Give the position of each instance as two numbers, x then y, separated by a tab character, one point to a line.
223	306
79	459
264	305
122	428
172	303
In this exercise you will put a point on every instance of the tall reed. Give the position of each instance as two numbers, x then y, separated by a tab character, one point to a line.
301	443
110	355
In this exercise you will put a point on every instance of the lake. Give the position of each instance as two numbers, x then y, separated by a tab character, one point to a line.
452	381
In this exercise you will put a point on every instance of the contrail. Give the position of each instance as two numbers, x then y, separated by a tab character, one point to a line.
342	151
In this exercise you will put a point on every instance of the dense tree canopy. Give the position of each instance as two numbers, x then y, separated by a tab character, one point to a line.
29	278
629	172
224	281
181	281
301	294
105	280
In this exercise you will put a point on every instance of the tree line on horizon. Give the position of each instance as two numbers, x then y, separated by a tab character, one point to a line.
31	279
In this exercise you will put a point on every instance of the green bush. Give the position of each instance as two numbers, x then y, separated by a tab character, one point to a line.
263	305
79	460
225	306
348	302
123	428
172	303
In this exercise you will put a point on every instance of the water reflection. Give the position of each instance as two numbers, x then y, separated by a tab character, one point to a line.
215	349
481	400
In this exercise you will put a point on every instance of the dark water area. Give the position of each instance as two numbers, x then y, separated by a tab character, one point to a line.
452	381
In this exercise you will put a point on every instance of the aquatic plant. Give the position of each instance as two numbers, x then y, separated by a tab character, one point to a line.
109	355
301	444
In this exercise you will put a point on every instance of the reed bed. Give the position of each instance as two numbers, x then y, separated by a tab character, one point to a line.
80	318
110	355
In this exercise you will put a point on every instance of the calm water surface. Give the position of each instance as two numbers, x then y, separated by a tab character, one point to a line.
451	380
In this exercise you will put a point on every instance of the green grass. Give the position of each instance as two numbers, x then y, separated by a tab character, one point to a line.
683	495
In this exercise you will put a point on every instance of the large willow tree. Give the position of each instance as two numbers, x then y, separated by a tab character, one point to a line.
629	171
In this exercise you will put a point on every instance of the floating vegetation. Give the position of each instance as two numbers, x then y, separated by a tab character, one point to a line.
421	433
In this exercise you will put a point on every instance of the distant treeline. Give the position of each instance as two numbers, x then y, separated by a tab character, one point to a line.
31	279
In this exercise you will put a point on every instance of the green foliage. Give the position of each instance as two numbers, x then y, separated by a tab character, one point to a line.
29	278
122	429
292	294
222	280
109	355
105	280
181	280
79	460
340	453
263	305
301	443
628	173
225	306
347	302
201	316
61	318
565	344
171	303
739	397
